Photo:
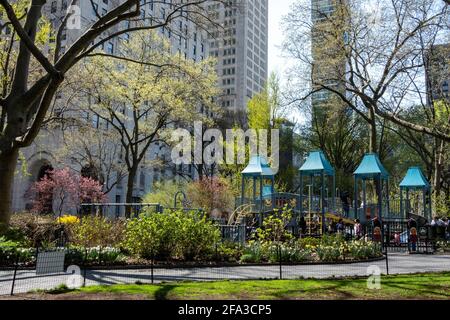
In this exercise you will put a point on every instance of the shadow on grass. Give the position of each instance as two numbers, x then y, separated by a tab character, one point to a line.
163	291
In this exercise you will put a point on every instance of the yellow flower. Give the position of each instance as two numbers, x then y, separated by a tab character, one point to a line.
68	220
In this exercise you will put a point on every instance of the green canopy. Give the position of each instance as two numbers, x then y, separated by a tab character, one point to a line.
316	164
414	179
371	167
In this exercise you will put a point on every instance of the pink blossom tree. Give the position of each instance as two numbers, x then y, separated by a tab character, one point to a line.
66	189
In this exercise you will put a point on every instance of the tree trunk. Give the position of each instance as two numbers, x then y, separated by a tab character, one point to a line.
438	160
373	148
130	187
8	162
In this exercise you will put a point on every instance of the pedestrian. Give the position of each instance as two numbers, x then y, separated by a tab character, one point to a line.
358	229
397	239
413	239
340	226
302	226
345	199
376	223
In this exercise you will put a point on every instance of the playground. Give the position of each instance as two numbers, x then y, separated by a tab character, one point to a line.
320	208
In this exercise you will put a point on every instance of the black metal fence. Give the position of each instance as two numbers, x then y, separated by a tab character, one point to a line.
57	268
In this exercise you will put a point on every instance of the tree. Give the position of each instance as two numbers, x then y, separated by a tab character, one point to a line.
27	96
66	190
369	58
93	152
149	93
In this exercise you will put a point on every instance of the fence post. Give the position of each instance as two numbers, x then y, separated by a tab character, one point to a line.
16	266
84	267
387	262
281	263
152	267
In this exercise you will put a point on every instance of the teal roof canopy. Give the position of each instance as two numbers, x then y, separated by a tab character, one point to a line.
371	167
316	163
415	179
257	167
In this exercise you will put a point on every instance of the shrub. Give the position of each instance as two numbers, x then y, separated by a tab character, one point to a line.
68	220
80	255
168	235
210	194
95	231
364	250
229	252
163	193
328	253
254	253
37	230
274	226
12	251
287	254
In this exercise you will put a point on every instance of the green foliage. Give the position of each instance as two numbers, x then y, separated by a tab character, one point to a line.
326	249
163	193
274	226
95	231
12	251
441	205
176	235
80	255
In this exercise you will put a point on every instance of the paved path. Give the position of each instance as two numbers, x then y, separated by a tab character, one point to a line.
398	264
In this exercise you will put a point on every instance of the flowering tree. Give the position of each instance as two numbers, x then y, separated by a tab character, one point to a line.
66	189
211	193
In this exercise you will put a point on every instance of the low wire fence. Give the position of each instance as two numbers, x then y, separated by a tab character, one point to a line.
59	268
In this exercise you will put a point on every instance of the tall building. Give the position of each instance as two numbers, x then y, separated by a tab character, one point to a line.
241	48
185	37
328	61
437	71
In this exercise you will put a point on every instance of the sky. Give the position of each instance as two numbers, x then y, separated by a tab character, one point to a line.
277	9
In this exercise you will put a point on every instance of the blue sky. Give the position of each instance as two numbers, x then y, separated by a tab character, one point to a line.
277	9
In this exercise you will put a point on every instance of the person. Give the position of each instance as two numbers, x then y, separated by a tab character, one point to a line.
397	239
345	199
376	223
411	223
302	226
440	223
413	239
340	226
358	229
433	222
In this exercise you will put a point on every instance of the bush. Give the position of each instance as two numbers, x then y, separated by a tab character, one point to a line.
163	193
36	230
229	252
12	252
274	226
210	194
80	255
176	235
360	250
95	231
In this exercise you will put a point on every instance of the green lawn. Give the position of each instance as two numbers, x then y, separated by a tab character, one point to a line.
423	286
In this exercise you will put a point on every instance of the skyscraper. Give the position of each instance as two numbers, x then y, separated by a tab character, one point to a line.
241	48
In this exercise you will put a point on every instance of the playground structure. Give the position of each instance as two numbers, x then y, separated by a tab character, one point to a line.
317	201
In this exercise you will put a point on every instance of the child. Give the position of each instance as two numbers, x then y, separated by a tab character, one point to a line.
413	239
397	239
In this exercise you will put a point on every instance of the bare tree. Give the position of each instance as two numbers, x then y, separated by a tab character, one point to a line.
370	56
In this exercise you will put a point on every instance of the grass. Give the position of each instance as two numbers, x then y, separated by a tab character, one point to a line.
400	287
